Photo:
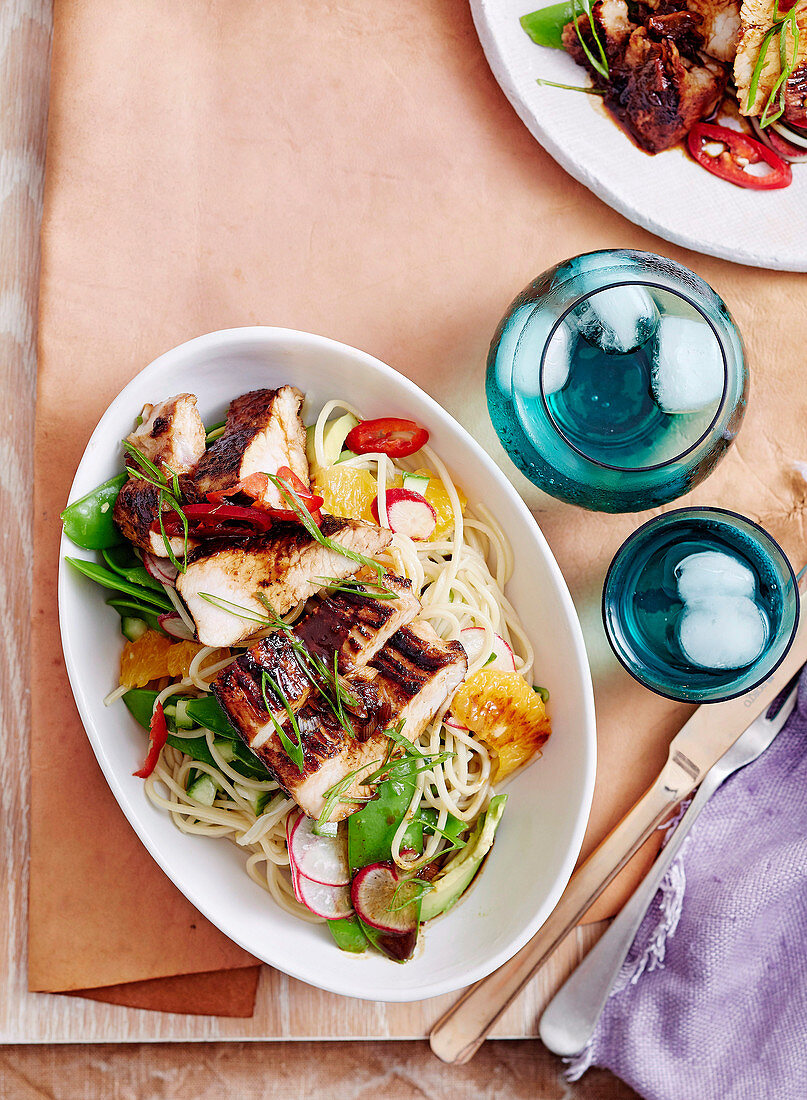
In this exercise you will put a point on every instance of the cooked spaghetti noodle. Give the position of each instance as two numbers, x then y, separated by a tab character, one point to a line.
460	579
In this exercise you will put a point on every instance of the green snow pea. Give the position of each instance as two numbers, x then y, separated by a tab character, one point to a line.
546	25
207	712
451	830
118	583
371	829
121	560
88	522
349	935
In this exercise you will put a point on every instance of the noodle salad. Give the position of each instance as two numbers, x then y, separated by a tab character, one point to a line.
319	643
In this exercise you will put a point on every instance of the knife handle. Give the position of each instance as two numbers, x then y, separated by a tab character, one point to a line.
458	1034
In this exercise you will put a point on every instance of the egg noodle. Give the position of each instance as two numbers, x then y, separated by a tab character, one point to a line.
460	579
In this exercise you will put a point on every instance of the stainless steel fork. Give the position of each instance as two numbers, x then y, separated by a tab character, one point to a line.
570	1017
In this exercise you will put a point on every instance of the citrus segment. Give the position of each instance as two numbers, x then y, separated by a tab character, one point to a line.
153	656
346	492
350	493
504	711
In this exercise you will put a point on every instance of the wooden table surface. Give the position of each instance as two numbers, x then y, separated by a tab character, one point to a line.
285	1009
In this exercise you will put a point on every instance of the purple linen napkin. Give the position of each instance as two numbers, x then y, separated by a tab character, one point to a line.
711	1003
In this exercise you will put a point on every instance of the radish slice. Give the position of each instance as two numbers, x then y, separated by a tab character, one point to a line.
292	821
408	513
453	724
331	902
473	639
373	894
161	569
172	624
322	859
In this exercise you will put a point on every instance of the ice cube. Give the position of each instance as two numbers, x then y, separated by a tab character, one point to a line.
722	632
619	319
557	359
526	371
710	573
506	351
687	372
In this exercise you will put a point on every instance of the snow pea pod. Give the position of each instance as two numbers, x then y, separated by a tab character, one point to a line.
88	522
546	25
121	560
349	935
370	831
207	712
119	583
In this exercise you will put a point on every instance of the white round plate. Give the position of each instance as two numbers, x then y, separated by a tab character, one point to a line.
542	829
669	194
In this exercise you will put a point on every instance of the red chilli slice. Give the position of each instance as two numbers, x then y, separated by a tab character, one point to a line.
739	151
389	435
216	521
310	501
158	735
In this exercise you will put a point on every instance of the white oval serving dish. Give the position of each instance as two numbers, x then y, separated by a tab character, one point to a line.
540	836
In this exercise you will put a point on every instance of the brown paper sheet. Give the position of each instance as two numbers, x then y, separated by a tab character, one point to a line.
219	993
352	170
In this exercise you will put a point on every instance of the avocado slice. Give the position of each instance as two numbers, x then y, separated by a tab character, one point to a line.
459	873
334	434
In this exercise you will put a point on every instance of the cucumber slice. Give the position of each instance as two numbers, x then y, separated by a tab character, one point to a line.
130	609
225	749
202	790
257	799
418	483
133	628
183	721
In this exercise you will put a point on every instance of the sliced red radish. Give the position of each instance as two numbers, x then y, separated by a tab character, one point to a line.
172	624
161	569
331	902
453	724
322	859
473	642
380	900
292	820
408	513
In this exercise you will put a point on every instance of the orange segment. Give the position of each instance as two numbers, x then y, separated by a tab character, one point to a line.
349	492
504	711
154	656
346	492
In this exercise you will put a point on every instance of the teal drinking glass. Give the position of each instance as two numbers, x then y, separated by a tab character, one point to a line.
700	604
617	380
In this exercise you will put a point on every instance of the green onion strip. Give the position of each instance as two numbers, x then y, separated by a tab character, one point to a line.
166	494
601	65
293	500
772	110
